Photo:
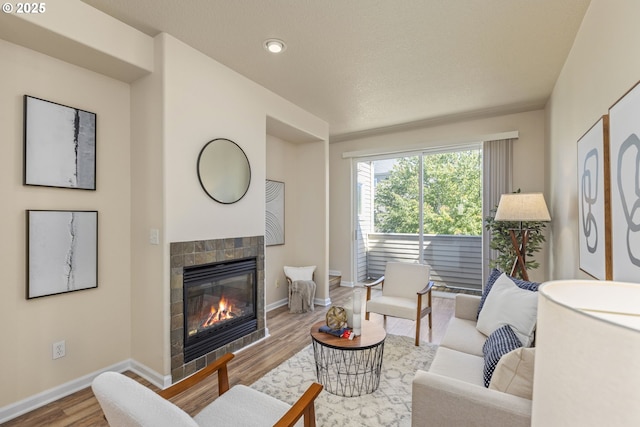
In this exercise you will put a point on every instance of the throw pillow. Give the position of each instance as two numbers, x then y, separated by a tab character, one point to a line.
493	276
500	342
507	304
514	373
299	273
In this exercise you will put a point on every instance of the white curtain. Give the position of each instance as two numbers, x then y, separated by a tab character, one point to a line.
497	174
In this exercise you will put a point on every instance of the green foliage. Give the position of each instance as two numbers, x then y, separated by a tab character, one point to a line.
501	241
452	200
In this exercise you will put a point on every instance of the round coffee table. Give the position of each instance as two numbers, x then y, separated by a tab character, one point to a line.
349	367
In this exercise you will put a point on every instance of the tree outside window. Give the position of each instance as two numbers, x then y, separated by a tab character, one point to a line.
452	195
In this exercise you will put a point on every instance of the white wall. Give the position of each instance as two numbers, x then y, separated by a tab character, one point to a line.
306	217
94	323
528	157
149	137
603	64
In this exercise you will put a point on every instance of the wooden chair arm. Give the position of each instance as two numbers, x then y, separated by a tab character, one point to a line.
379	281
426	288
219	365
304	407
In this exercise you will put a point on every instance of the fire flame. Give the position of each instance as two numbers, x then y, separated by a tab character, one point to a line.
223	312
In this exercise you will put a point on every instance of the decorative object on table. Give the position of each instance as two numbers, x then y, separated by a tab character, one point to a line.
587	345
62	252
342	333
59	145
404	286
274	215
524	214
224	171
624	131
348	307
302	288
389	405
357	309
336	318
594	212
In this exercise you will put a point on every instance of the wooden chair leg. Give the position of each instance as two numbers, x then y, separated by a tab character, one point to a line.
430	312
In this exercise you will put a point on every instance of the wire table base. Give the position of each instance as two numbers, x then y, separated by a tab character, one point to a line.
348	372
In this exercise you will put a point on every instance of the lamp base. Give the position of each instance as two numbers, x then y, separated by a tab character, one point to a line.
520	248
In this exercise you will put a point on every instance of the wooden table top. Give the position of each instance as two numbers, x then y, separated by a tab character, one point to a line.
372	335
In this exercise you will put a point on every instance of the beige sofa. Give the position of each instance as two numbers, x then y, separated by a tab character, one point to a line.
452	392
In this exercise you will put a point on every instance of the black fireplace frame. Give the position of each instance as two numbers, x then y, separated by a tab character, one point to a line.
216	337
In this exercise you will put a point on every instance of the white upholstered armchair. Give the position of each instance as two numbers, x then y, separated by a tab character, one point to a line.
127	403
406	293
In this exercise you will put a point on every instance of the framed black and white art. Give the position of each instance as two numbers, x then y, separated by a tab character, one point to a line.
624	138
274	215
59	145
62	252
593	201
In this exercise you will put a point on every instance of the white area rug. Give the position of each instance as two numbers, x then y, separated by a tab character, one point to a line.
390	405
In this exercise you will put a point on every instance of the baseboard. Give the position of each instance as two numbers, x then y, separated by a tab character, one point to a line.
347	284
335	273
36	401
158	380
317	301
322	302
276	304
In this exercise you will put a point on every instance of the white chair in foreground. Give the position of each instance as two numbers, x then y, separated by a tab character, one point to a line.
127	403
403	288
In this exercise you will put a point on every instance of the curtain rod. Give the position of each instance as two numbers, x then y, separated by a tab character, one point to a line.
419	147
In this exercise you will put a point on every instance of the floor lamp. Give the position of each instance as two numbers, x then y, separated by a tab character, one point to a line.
587	369
521	207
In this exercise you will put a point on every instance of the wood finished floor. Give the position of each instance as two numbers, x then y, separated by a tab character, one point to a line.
289	333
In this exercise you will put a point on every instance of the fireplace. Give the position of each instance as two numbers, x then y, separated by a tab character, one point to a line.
200	255
219	305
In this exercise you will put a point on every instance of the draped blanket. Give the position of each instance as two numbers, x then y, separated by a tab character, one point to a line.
302	294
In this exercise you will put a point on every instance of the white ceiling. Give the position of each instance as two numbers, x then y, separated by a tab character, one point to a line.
367	65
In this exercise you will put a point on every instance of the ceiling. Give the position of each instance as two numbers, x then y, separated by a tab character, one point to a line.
366	66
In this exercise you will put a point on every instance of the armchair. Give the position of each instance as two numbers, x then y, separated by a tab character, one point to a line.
127	403
403	288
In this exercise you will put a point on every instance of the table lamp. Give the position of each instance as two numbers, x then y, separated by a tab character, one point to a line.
521	207
587	359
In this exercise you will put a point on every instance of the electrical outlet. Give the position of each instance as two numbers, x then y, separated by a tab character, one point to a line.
59	349
277	283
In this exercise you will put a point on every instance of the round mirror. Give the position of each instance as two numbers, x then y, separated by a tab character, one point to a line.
223	171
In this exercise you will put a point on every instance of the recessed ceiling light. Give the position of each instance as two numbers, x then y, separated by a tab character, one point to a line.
275	45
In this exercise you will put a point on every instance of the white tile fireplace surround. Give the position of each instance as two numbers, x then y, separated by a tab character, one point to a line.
203	252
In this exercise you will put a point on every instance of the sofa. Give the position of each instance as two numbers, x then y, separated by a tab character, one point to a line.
453	391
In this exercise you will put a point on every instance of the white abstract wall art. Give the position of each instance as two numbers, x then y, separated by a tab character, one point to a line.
274	227
62	252
593	201
624	138
59	145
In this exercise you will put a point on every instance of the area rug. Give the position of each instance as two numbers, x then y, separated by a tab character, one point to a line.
389	405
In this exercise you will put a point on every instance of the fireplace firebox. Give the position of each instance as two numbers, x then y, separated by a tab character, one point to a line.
219	305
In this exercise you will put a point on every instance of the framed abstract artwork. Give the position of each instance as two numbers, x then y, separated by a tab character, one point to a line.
62	252
624	139
593	201
59	145
274	227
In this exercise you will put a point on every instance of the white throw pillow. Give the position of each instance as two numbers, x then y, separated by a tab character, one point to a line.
507	304
299	273
514	373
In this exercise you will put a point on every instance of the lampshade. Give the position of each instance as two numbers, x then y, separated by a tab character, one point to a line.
587	361
522	207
